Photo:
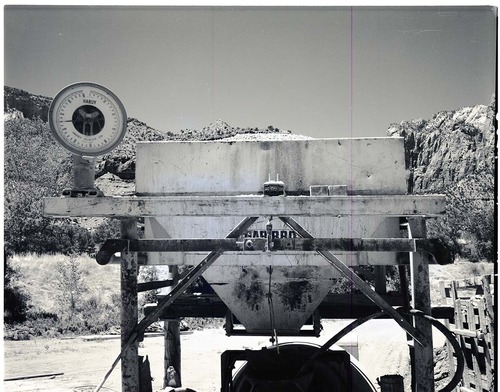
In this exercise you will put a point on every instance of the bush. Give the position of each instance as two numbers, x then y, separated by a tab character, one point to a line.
35	167
469	225
71	286
110	228
15	300
37	324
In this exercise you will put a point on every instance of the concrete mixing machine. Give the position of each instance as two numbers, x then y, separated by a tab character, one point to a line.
271	226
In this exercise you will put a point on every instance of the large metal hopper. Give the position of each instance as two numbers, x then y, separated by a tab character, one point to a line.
270	290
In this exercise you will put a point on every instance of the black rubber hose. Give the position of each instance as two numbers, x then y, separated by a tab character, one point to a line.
339	335
450	336
356	323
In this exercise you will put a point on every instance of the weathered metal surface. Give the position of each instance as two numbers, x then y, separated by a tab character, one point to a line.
365	165
361	285
185	282
278	244
146	286
333	306
241	206
249	246
129	311
326	227
423	366
245	296
279	259
296	292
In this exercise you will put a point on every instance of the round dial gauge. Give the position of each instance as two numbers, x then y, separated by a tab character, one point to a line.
87	119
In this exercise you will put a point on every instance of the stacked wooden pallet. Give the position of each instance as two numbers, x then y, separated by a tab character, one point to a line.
473	323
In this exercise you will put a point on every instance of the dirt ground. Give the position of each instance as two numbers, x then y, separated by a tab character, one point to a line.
381	345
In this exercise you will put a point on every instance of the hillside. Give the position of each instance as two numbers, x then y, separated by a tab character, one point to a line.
451	153
30	105
121	161
450	147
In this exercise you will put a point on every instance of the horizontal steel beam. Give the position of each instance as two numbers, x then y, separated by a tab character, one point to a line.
431	246
334	306
154	285
241	206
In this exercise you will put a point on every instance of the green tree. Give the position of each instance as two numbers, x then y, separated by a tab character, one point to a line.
35	166
72	286
468	227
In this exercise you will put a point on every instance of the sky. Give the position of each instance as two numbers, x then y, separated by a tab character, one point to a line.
317	71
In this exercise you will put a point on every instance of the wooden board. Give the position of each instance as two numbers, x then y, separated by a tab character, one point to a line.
242	206
470	298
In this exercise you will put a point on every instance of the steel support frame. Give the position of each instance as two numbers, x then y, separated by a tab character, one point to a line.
133	331
129	310
419	265
137	207
422	354
360	284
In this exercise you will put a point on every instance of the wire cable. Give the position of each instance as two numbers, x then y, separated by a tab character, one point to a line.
274	338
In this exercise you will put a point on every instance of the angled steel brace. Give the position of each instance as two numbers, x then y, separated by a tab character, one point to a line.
359	283
189	278
181	286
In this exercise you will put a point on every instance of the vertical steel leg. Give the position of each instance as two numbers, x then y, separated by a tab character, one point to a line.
129	353
130	344
172	336
423	363
380	279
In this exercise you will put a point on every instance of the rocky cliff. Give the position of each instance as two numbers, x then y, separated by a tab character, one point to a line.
451	153
30	105
440	152
121	161
448	148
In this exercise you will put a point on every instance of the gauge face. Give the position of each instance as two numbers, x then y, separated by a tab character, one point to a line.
87	119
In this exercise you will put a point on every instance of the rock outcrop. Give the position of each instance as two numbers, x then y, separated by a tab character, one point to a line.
121	161
30	105
448	148
440	152
451	153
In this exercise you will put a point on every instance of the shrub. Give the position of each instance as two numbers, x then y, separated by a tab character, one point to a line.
468	228
109	228
71	286
35	166
15	300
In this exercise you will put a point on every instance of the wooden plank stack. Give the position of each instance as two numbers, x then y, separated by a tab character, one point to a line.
473	324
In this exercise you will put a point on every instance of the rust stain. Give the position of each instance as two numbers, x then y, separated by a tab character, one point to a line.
295	295
249	289
302	273
252	294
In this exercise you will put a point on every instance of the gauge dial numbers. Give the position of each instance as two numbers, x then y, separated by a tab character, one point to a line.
87	119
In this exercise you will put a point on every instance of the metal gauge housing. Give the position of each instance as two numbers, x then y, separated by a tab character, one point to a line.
87	119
